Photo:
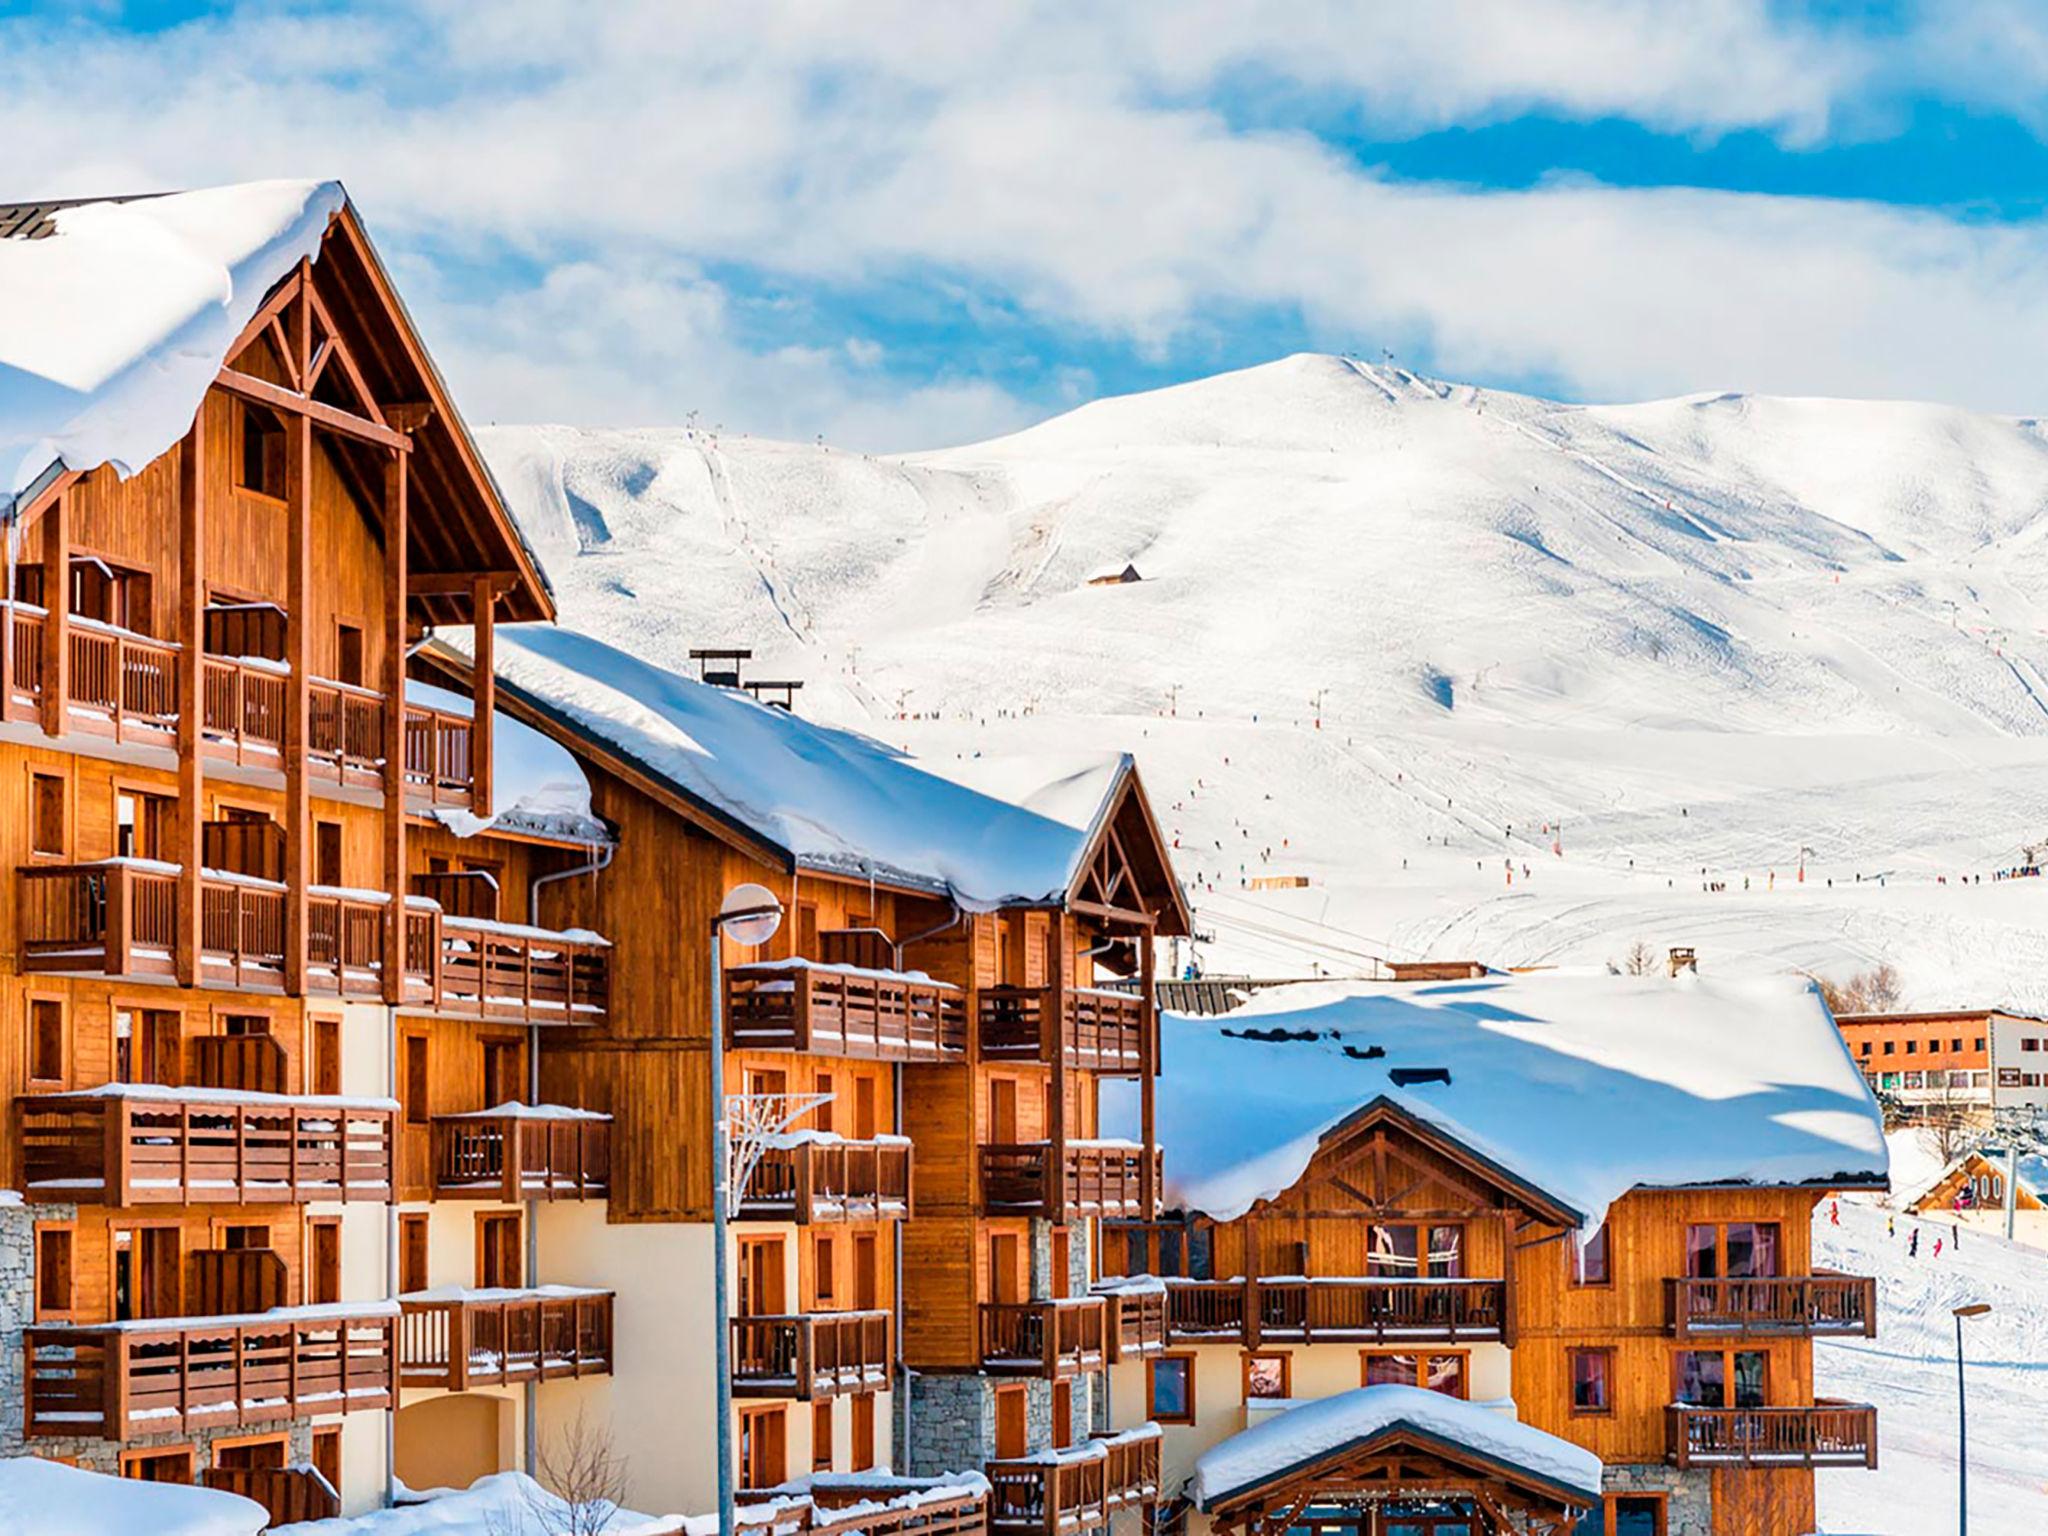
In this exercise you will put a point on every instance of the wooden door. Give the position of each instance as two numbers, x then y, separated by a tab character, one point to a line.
764	1447
867	1272
1062	1415
326	1055
412	1253
1010	1436
1005	1282
1002	1111
1062	1252
499	1259
761	1289
504	1083
146	1272
323	1260
864	1123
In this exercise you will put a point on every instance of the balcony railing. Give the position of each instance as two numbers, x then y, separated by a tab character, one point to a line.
288	1494
1105	1031
490	970
830	1180
144	1146
782	1005
1825	1303
464	1339
1827	1434
524	1152
810	1355
862	1505
123	685
1077	1489
438	755
178	1375
26	628
1048	1339
1101	1178
1137	1319
1335	1310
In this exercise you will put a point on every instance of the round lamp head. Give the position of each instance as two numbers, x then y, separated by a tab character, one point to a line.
750	914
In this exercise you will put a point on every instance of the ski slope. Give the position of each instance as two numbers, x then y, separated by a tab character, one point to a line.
1404	639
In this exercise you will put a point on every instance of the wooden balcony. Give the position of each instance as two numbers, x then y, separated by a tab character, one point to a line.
123	685
1827	1434
505	971
1101	1178
1332	1311
1105	1031
460	1340
1047	1339
141	1145
810	1355
1137	1319
438	756
780	1005
1076	1489
527	1153
862	1506
1810	1305
830	1181
177	1375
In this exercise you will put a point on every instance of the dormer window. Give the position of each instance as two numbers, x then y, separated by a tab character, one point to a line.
262	453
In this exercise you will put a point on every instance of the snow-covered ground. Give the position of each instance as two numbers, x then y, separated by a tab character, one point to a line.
1909	1372
1697	635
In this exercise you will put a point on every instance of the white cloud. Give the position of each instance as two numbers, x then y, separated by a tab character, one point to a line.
1070	161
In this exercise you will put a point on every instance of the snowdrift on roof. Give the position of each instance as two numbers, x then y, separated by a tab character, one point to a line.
1584	1085
112	328
537	786
1327	1425
838	802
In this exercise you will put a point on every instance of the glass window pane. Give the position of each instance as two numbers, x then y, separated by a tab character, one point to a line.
1749	1378
1589	1380
1392	1250
1741	1250
1447	1252
1391	1371
1446	1375
1700	1379
1592	1261
1265	1376
1637	1517
1170	1389
1701	1260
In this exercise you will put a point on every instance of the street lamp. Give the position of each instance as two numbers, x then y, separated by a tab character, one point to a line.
751	914
1974	1309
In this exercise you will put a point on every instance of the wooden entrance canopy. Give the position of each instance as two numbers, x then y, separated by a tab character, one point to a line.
1400	1467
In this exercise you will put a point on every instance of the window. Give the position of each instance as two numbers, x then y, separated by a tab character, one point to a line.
1624	1514
1704	1377
46	797
1443	1373
1170	1389
46	1039
825	1279
1979	1045
262	453
1405	1250
146	1047
2030	1043
1888	1046
1864	1048
1589	1262
1912	1047
1954	1045
235	1239
1592	1377
412	1253
323	1259
1267	1376
821	1436
1740	1250
173	1464
415	1089
112	594
142	825
327	853
55	1247
1916	1079
348	654
863	1432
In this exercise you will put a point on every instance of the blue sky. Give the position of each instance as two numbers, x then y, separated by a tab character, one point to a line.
895	225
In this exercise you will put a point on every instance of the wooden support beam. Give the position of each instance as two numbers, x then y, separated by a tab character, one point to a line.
1148	1068
1055	1019
332	417
1110	914
298	811
273	305
395	515
484	693
336	350
191	630
57	626
455	583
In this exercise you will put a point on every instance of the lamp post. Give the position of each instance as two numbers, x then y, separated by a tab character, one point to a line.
1974	1309
751	914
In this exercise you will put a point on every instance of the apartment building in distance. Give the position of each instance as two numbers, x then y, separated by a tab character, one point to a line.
267	904
1520	1253
1979	1060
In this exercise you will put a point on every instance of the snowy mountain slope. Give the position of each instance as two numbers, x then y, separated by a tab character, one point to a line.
1702	634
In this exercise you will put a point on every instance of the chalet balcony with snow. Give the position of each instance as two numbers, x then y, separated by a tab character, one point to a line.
811	1355
458	1337
1050	1339
1068	1181
833	1008
1078	1488
813	1176
513	1151
1821	1434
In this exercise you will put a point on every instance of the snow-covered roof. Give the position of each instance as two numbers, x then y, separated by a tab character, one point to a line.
1583	1085
1312	1430
834	801
57	1500
1917	1168
537	786
112	328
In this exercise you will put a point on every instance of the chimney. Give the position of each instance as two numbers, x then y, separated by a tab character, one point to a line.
1683	959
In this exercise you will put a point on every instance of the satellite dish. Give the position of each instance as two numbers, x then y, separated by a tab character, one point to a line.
763	914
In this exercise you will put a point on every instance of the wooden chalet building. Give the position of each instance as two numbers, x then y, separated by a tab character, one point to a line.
266	944
1565	1202
920	1050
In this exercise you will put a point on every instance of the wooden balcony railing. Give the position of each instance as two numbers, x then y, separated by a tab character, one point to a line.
242	710
830	1181
437	755
1077	1489
22	693
176	1375
1101	1178
532	975
289	1494
1336	1310
1137	1320
862	1506
842	1011
1105	1030
1048	1339
138	1145
115	918
810	1355
1827	1434
1824	1303
123	685
529	1154
496	1338
344	733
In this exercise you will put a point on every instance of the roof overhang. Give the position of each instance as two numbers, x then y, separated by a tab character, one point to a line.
1382	1111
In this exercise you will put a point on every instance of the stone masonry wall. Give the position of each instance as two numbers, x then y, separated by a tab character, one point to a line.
1689	1510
